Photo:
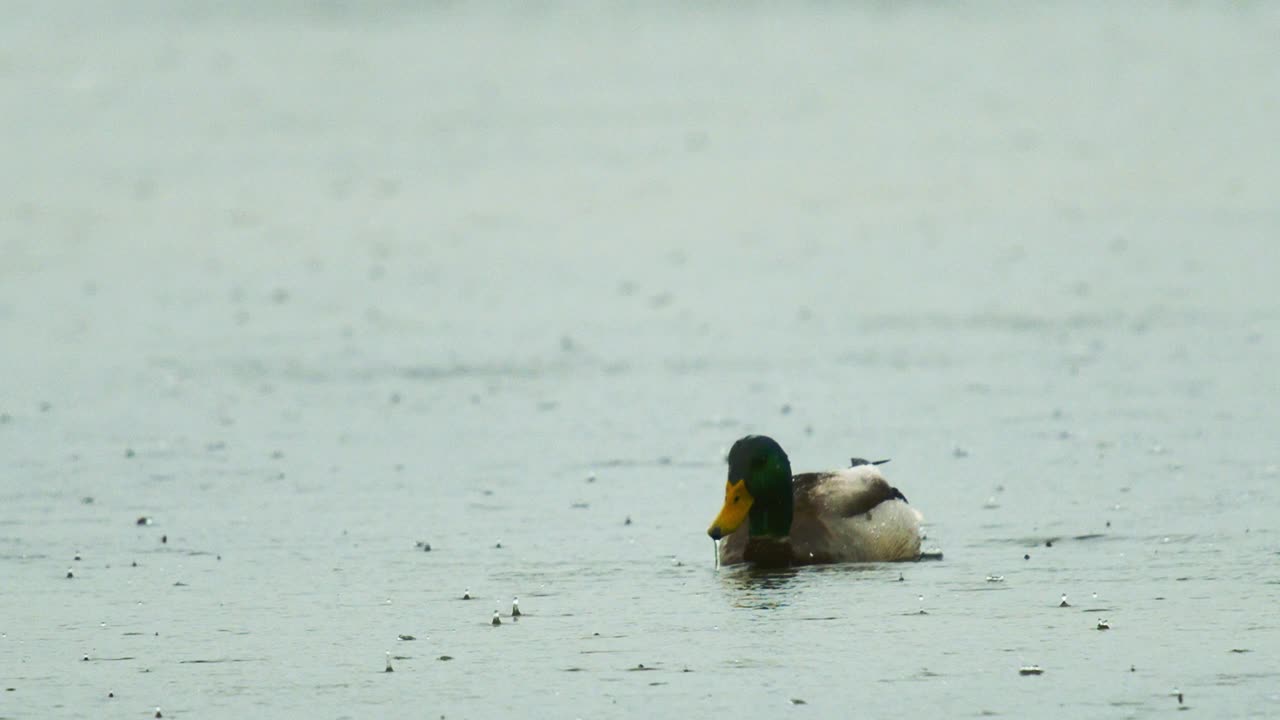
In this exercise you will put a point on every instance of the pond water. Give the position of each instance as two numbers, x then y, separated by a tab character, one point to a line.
302	288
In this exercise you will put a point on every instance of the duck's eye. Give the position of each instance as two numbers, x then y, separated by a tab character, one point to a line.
757	463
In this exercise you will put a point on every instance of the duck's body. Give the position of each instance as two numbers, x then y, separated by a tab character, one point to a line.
849	515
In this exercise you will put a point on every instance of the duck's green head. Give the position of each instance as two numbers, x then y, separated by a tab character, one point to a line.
759	488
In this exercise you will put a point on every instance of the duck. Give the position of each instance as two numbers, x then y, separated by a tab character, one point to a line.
774	518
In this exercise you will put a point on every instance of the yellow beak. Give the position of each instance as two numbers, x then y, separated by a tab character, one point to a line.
737	501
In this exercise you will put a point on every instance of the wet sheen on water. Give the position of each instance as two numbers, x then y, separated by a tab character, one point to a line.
326	335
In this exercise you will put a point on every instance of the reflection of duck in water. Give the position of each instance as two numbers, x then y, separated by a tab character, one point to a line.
772	518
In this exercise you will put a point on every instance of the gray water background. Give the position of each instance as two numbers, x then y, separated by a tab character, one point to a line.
306	284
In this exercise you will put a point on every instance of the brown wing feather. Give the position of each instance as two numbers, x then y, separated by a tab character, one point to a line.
874	491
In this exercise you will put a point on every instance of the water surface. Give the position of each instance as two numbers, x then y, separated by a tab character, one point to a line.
306	288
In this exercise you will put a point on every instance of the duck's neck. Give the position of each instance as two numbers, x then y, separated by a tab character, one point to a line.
770	514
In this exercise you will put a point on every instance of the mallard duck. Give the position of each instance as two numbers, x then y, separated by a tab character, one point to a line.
773	518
